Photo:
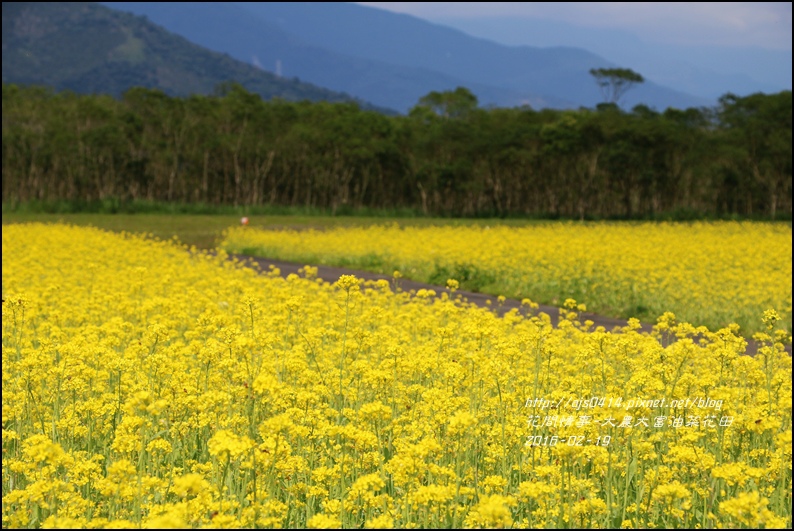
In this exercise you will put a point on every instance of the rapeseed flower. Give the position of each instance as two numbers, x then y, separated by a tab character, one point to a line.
491	512
177	388
706	273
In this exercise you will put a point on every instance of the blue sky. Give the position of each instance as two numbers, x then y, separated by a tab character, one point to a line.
736	24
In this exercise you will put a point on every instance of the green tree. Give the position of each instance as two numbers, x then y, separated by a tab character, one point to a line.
457	103
759	125
448	157
615	82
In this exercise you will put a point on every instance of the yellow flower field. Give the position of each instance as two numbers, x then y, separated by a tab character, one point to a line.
147	386
711	274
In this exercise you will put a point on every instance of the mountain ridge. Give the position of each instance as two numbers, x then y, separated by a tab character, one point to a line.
87	47
370	60
703	70
561	72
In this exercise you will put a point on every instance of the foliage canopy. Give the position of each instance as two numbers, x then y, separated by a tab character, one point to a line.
449	157
615	82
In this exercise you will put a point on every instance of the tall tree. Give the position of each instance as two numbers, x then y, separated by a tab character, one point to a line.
449	104
615	82
760	125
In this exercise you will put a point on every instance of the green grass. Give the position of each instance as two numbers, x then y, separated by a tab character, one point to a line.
204	231
201	231
141	206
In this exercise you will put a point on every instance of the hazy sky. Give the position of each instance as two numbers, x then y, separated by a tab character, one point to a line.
763	24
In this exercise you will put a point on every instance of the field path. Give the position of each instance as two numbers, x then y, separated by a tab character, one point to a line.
331	274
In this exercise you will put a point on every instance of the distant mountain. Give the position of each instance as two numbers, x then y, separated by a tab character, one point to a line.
392	59
89	48
553	73
232	29
706	71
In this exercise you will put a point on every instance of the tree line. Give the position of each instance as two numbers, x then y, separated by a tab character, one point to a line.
447	157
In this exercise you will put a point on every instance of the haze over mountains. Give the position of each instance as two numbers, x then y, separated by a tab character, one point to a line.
89	48
391	59
333	51
706	71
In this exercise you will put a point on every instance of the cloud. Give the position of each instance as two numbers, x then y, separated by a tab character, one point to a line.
763	24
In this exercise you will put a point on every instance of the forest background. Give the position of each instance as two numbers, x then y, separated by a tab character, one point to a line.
447	157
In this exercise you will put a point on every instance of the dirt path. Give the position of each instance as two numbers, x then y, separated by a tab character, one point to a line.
331	274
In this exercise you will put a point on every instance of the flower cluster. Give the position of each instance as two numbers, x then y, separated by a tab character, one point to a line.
710	274
145	385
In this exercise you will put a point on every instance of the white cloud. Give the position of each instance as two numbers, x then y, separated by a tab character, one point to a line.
764	24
